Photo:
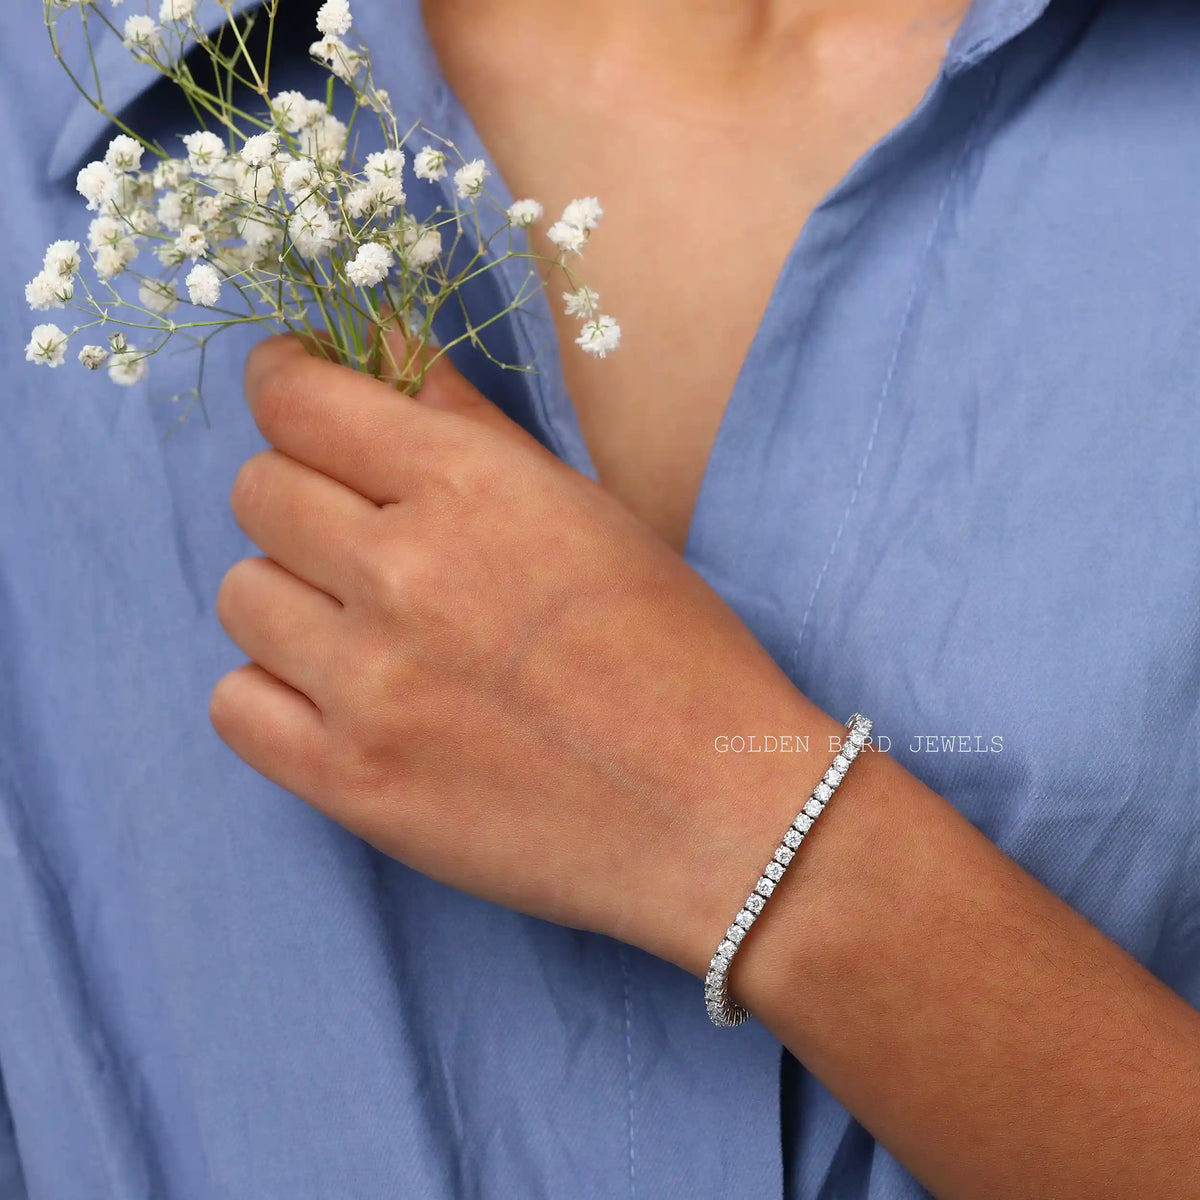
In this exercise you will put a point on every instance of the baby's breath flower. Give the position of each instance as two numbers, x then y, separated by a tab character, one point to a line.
333	17
301	177
581	302
312	229
384	164
584	213
93	357
124	154
252	183
600	336
261	236
524	213
360	201
111	260
106	231
418	245
47	346
294	110
260	149
158	295
176	10
204	285
96	183
142	36
333	53
211	209
142	221
430	164
468	179
568	238
324	141
127	366
389	193
205	151
170	173
191	242
170	210
62	258
380	100
370	265
49	290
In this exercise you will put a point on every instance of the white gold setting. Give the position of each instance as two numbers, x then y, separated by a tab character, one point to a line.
721	1009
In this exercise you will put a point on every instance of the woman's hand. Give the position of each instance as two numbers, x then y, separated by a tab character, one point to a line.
478	660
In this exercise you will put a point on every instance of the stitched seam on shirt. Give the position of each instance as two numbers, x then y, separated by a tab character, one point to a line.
627	988
890	376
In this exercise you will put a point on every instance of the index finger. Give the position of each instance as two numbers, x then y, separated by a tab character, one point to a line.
355	429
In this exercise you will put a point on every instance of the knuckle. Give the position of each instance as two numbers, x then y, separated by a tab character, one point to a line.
415	581
353	773
251	485
222	704
476	476
232	592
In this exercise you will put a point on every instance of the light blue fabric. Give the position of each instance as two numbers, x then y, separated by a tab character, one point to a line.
208	990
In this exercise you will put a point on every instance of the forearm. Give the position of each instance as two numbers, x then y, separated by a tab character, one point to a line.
986	1033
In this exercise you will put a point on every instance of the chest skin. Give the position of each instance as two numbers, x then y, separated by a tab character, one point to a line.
665	126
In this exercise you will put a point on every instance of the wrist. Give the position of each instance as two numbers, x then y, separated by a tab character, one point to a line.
754	781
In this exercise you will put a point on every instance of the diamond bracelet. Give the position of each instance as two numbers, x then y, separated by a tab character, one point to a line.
721	1009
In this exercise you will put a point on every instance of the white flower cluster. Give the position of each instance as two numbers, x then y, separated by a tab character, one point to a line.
273	223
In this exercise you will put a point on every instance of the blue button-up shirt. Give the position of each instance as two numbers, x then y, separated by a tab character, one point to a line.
209	990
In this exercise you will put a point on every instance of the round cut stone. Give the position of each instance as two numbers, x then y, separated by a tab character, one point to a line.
734	934
755	904
822	792
833	777
857	738
793	838
773	871
813	807
841	763
764	887
784	855
726	949
745	918
803	822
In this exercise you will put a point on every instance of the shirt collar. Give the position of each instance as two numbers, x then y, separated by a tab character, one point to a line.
988	25
124	80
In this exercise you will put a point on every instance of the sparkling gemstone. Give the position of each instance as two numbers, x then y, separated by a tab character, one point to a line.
745	919
755	904
764	887
803	822
833	777
813	807
849	751
774	871
857	738
841	763
734	934
726	949
822	792
784	855
793	838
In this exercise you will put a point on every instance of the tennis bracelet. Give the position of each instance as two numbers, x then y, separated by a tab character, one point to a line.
721	1009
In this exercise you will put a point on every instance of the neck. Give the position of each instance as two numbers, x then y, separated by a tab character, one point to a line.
726	39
